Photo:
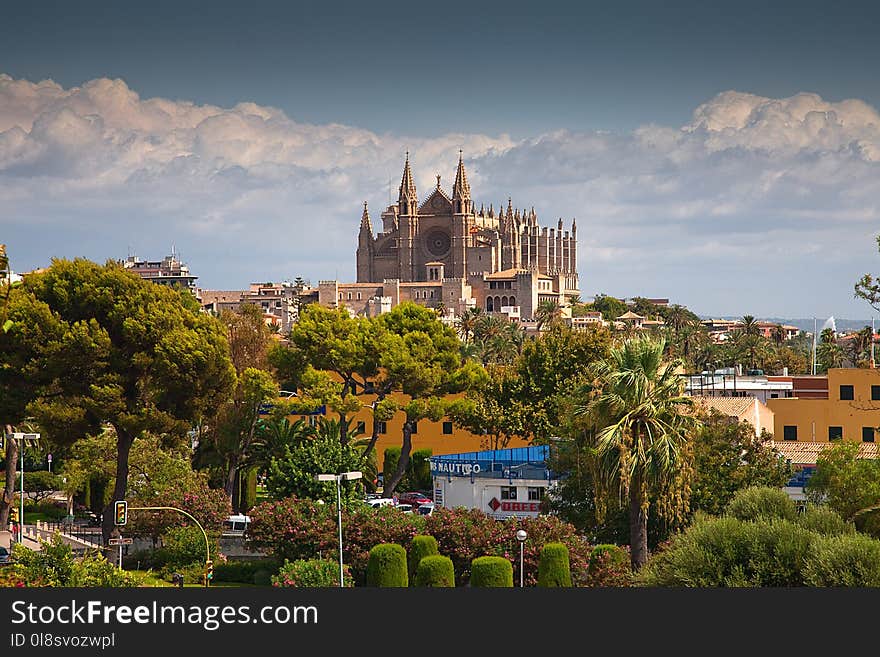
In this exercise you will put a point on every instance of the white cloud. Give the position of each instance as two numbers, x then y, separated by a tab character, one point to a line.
750	185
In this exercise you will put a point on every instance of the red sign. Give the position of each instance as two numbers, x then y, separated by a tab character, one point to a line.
527	507
521	506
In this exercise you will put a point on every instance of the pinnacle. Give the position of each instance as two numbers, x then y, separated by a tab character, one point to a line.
461	189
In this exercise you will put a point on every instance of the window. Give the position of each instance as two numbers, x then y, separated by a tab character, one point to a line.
536	493
349	296
415	427
875	393
508	492
774	395
359	296
867	434
835	433
789	432
447	428
361	427
846	392
383	427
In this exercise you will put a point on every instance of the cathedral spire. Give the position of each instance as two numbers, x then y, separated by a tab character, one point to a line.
366	224
461	190
408	200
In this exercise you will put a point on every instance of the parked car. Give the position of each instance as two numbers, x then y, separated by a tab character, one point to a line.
237	524
425	509
414	498
377	502
404	508
4	555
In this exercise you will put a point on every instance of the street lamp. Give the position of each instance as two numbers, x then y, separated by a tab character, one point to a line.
347	476
521	536
21	437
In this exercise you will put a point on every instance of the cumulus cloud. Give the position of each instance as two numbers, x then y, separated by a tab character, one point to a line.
772	199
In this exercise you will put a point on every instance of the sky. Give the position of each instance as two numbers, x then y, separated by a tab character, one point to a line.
725	157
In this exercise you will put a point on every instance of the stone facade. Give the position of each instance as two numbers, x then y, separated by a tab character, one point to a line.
442	251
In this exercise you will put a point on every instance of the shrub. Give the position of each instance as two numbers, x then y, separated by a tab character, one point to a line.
294	529
609	565
727	552
242	571
312	573
422	546
824	520
54	565
364	527
464	534
435	570
761	503
553	569
183	546
491	572
387	566
844	560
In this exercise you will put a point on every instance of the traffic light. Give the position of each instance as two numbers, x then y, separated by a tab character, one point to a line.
121	512
13	515
209	571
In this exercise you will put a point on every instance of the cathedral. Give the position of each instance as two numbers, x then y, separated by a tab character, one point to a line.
444	253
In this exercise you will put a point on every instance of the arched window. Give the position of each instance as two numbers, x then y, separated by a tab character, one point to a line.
504	302
340	296
512	301
489	307
432	294
498	304
359	296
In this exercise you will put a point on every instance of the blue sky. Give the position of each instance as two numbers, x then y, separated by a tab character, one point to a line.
723	156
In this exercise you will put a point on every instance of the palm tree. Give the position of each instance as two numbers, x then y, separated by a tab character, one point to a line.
466	322
548	312
750	326
273	436
778	335
641	417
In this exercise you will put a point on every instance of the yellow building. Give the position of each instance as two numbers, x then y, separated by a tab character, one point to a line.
442	437
850	412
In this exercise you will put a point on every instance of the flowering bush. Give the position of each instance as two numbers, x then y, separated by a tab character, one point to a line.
312	573
54	565
294	529
609	565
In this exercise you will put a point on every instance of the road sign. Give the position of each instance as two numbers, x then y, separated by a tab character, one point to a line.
23	436
120	541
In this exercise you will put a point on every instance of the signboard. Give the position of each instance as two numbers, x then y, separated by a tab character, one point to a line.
513	507
455	468
120	541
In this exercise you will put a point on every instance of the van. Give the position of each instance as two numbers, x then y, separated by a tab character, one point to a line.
236	524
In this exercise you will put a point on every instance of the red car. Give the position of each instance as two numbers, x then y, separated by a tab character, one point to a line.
414	498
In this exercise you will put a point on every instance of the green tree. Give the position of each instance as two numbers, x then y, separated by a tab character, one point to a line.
868	288
422	360
642	417
729	457
548	312
549	370
92	344
293	473
610	307
849	485
829	353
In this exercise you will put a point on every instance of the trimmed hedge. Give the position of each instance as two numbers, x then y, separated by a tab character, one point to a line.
387	566
244	572
609	565
491	572
824	520
422	546
435	570
554	569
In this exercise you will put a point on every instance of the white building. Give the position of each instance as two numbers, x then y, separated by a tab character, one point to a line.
502	483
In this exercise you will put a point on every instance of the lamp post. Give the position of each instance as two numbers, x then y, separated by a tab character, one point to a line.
21	438
521	536
347	476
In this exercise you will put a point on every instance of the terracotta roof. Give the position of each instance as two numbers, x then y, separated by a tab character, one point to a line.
806	453
505	273
630	315
730	406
